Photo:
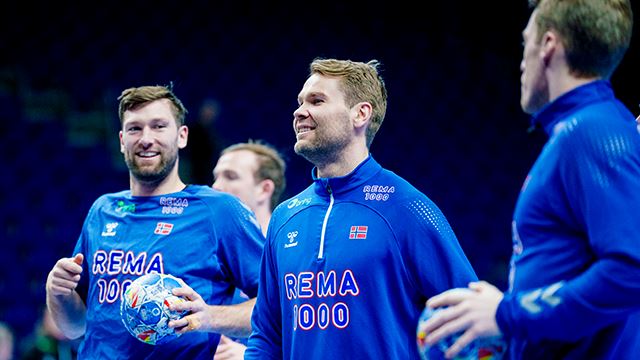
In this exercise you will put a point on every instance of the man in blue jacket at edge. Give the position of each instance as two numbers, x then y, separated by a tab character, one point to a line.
575	269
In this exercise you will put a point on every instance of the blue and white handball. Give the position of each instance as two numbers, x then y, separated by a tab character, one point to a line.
480	349
145	308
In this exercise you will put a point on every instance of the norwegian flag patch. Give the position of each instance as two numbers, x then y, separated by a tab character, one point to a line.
358	232
163	228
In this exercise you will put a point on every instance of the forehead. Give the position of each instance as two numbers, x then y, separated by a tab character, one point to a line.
154	110
531	28
238	160
321	84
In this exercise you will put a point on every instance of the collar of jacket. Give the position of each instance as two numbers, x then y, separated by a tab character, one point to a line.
571	101
367	169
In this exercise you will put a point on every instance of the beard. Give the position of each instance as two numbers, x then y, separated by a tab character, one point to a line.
327	143
155	174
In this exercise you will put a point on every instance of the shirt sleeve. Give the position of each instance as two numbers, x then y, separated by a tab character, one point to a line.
241	247
600	180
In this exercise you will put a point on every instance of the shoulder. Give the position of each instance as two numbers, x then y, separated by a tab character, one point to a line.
296	203
213	199
601	129
110	200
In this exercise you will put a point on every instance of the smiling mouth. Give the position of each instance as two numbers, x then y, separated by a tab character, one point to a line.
301	130
148	154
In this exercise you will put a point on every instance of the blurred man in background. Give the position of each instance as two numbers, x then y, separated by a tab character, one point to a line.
255	173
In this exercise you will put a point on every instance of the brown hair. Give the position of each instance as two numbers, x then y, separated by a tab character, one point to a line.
134	97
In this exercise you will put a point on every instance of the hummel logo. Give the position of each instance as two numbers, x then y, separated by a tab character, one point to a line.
110	229
292	237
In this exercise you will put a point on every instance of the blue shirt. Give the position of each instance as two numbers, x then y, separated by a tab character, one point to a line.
205	237
575	269
348	266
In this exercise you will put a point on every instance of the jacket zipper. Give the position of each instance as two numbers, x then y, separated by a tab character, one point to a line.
324	223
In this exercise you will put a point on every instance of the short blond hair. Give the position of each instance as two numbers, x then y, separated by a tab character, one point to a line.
595	33
361	82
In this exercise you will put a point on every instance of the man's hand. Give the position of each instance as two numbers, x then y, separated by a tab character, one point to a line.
472	311
65	275
229	350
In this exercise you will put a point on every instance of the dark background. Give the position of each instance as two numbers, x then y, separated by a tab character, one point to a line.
453	128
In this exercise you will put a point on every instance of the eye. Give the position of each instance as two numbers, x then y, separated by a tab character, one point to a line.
133	129
317	101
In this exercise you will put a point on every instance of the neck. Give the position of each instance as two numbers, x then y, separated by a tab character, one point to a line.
564	86
168	185
263	215
344	163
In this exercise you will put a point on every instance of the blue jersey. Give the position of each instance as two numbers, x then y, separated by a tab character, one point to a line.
348	266
205	237
575	271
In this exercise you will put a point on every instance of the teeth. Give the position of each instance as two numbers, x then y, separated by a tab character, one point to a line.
304	129
147	154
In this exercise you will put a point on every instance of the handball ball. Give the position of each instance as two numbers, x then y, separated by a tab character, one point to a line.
145	308
484	348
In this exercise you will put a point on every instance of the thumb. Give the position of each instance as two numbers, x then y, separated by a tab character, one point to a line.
78	259
224	339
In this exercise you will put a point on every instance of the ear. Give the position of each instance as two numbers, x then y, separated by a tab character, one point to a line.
183	136
550	44
361	114
266	188
121	142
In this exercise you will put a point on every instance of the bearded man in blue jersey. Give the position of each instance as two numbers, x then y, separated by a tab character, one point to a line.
207	238
350	260
575	269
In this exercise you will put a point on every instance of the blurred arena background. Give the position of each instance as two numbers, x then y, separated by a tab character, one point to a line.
454	127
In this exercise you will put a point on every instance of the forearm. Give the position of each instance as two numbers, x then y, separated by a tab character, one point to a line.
569	310
68	312
231	320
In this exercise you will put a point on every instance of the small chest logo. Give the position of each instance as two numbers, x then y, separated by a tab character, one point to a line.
110	229
163	228
358	232
122	206
292	239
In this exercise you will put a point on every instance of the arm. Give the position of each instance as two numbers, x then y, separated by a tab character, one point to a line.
66	307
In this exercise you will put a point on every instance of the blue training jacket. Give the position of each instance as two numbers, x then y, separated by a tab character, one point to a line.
575	271
348	266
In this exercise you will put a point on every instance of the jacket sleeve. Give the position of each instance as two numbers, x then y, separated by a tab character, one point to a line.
265	341
432	253
600	180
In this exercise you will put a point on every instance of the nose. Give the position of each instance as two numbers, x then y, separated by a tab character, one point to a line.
147	136
218	185
300	113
